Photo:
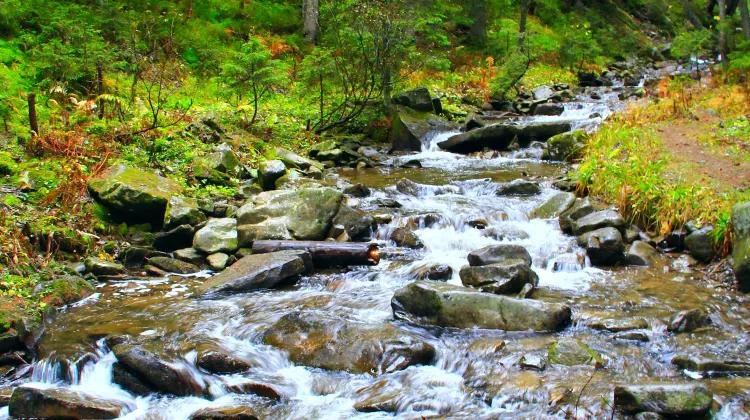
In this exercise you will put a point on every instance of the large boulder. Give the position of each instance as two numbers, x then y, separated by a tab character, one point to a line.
269	172
692	399
582	207
641	254
155	373
700	244
565	147
182	211
218	235
258	271
417	99
604	247
441	304
507	277
176	238
331	343
306	214
409	127
554	206
495	136
494	254
741	245
29	402
134	195
598	220
356	223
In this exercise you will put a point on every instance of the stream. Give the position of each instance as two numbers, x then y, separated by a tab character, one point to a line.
476	372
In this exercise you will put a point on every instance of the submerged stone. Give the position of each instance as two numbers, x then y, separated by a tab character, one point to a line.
688	321
572	352
519	187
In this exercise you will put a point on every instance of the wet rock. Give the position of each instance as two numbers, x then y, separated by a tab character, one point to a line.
700	244
555	206
409	127
221	362
226	413
258	271
293	160
358	190
632	234
218	235
688	321
356	223
382	396
418	99
604	247
712	367
306	213
182	211
632	336
507	277
582	207
599	220
426	220
270	171
409	187
641	254
495	136
509	233
257	388
404	237
549	109
532	361
493	254
519	187
341	345
172	265
134	195
741	245
565	147
129	381
619	325
387	203
674	240
573	352
218	261
664	399
190	255
445	305
176	238
28	402
156	373
440	272
100	267
134	255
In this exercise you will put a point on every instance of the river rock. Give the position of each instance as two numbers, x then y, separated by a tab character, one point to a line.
356	223
100	267
565	147
446	305
293	160
507	277
219	166
664	399
258	271
409	127
418	99
182	211
258	388
336	344
599	220
271	229
306	213
218	235
383	396
619	325
29	402
700	244
710	366
632	336
493	254
409	187
741	245
688	321
269	171
604	247
554	206
582	207
495	136
172	265
519	187
442	272
133	195
357	190
548	109
176	238
218	261
641	254
221	362
405	237
190	255
226	413
155	373
573	352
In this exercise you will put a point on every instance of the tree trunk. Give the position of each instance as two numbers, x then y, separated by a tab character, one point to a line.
100	88
33	123
723	42
745	15
690	14
325	253
387	87
310	13
478	14
522	22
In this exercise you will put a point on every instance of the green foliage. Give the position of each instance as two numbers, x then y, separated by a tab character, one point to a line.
692	43
740	57
510	74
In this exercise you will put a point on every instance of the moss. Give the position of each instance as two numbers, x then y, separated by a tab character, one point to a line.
65	290
8	165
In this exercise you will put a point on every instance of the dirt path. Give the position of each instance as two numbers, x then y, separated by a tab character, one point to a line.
696	159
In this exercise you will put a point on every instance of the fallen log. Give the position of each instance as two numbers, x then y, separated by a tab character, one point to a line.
324	253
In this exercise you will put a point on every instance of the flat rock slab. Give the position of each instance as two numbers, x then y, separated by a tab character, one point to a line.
258	271
445	305
710	366
150	371
28	402
669	399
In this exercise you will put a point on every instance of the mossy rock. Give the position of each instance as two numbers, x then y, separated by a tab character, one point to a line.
8	165
47	234
134	195
566	146
573	352
64	290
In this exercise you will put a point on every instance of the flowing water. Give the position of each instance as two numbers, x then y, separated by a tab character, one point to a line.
473	376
